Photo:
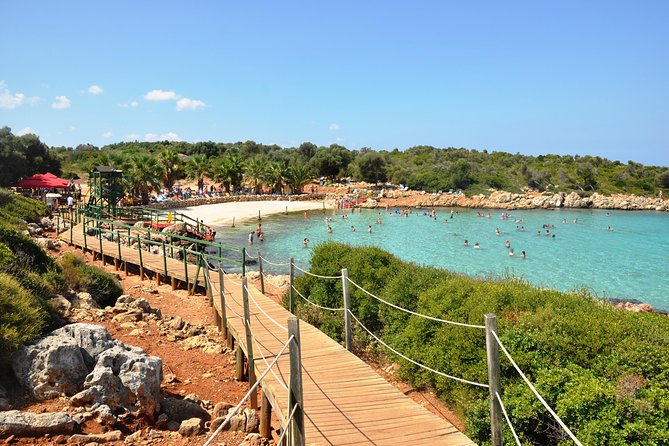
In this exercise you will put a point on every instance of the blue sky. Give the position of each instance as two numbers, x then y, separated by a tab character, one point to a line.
534	77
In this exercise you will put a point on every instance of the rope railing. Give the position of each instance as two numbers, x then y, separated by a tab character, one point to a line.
231	280
424	316
506	417
273	263
315	304
281	382
264	312
316	275
248	394
445	375
536	392
285	430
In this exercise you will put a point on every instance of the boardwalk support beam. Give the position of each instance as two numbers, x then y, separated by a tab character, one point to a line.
347	309
296	427
253	399
492	357
265	416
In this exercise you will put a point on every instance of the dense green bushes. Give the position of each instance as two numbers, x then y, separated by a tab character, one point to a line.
605	371
15	210
102	286
23	316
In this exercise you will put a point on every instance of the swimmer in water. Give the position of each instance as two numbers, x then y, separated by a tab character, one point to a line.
329	229
507	244
476	245
352	228
306	242
496	231
522	255
369	229
511	252
466	242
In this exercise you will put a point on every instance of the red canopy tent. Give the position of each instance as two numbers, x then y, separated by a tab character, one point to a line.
43	180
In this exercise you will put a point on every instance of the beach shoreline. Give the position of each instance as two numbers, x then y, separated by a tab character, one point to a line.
235	212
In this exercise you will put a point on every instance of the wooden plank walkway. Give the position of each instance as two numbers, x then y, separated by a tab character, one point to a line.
345	401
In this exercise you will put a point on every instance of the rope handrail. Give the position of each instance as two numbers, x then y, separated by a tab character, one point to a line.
264	312
315	304
248	394
413	361
432	318
262	355
232	281
316	275
290	418
508	421
273	263
249	256
536	392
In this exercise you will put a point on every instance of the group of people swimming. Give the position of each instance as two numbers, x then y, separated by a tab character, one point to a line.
257	233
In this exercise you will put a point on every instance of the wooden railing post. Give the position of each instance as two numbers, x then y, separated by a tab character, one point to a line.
243	262
71	229
347	309
265	416
102	256
224	319
253	399
141	263
262	277
183	250
85	241
291	300
197	274
164	261
492	357
296	427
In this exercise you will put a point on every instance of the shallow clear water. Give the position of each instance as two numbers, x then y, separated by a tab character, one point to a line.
630	262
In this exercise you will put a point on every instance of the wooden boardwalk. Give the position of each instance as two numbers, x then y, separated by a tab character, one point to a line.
345	401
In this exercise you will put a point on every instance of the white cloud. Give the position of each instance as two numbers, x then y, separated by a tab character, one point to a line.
62	102
25	131
160	95
95	89
333	126
9	101
339	139
190	104
107	135
132	136
131	104
169	136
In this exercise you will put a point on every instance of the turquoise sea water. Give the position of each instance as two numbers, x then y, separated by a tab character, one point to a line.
629	262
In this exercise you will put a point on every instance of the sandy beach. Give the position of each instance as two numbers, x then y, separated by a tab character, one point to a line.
222	214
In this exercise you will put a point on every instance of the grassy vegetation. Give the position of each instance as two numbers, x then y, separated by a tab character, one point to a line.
605	371
29	276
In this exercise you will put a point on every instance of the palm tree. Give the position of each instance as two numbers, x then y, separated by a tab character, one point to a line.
196	169
170	165
276	175
297	177
143	175
255	172
235	167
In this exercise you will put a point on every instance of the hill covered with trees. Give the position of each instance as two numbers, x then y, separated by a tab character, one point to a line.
149	165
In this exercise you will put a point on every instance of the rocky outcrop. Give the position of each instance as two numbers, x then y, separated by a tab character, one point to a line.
26	424
83	361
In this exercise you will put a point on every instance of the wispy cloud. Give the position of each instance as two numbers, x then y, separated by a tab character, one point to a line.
190	104
339	139
95	89
160	95
107	135
169	136
334	126
9	100
131	104
62	102
25	131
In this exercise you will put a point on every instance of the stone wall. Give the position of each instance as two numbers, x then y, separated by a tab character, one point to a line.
233	199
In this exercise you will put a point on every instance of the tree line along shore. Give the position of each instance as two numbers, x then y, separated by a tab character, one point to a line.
256	168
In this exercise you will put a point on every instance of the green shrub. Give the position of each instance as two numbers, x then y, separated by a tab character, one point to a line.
23	316
604	371
15	209
79	276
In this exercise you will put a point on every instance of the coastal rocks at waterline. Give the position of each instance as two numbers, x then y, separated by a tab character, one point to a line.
83	362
